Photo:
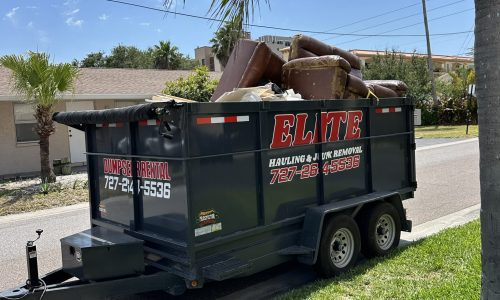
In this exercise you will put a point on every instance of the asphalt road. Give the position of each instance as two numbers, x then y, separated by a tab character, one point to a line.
448	181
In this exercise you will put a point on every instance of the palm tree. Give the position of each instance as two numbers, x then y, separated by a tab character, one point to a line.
166	56
41	83
229	10
487	60
225	39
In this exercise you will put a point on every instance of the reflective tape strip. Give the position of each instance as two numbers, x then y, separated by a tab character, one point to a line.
150	122
388	110
109	125
222	120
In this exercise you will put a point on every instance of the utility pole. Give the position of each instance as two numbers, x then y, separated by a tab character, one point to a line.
435	102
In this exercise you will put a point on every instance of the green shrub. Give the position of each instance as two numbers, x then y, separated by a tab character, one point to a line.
197	86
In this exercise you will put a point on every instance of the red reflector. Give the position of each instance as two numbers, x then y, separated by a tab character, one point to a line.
201	121
231	119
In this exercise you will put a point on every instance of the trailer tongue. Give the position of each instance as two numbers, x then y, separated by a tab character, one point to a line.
186	193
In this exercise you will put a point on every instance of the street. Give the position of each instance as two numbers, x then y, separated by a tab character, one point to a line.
448	181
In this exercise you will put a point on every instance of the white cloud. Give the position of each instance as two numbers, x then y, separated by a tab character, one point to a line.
31	7
74	11
29	25
12	13
70	2
158	30
43	37
145	24
103	17
73	22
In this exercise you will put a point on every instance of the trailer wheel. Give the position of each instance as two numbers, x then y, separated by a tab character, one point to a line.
380	230
339	247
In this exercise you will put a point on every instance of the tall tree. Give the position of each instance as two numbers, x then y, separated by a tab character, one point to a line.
129	57
41	83
487	60
413	71
166	56
94	60
225	39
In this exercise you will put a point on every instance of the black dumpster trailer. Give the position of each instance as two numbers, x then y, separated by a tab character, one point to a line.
186	193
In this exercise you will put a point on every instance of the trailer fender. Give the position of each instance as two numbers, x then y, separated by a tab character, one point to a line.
315	217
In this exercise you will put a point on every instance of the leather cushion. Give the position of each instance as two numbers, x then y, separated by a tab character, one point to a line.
396	85
319	48
249	63
321	77
382	92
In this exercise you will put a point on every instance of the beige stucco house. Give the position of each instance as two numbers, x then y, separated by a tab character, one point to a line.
95	89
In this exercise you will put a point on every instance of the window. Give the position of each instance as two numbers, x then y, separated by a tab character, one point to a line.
287	44
25	122
211	66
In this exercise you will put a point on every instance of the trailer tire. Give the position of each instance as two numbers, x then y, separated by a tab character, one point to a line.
339	246
380	229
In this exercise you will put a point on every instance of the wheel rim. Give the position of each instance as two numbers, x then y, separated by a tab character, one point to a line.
385	231
342	248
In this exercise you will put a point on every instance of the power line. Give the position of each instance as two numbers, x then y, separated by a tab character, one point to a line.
374	17
419	23
280	28
465	41
399	19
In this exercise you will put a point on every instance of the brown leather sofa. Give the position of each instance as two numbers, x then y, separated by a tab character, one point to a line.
320	77
250	64
397	86
306	46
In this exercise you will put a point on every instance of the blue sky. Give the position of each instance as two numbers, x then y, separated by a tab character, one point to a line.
70	29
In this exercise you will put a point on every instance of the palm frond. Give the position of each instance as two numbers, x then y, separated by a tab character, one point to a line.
37	80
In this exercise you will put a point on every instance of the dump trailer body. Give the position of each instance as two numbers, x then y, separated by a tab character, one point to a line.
218	190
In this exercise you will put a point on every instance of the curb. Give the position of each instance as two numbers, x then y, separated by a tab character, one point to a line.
43	213
432	227
447	144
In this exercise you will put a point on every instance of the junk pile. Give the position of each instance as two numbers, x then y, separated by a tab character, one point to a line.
314	70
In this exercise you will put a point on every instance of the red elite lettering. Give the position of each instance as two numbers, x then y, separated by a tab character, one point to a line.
301	137
335	118
353	131
281	135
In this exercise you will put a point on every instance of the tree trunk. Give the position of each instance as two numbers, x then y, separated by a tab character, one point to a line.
487	61
44	128
47	174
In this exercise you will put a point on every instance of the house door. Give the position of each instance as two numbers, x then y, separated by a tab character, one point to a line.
77	137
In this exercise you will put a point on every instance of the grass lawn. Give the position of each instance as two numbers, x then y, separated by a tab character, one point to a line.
16	197
445	131
444	266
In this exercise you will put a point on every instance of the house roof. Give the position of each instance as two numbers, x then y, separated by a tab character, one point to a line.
370	53
100	83
449	58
